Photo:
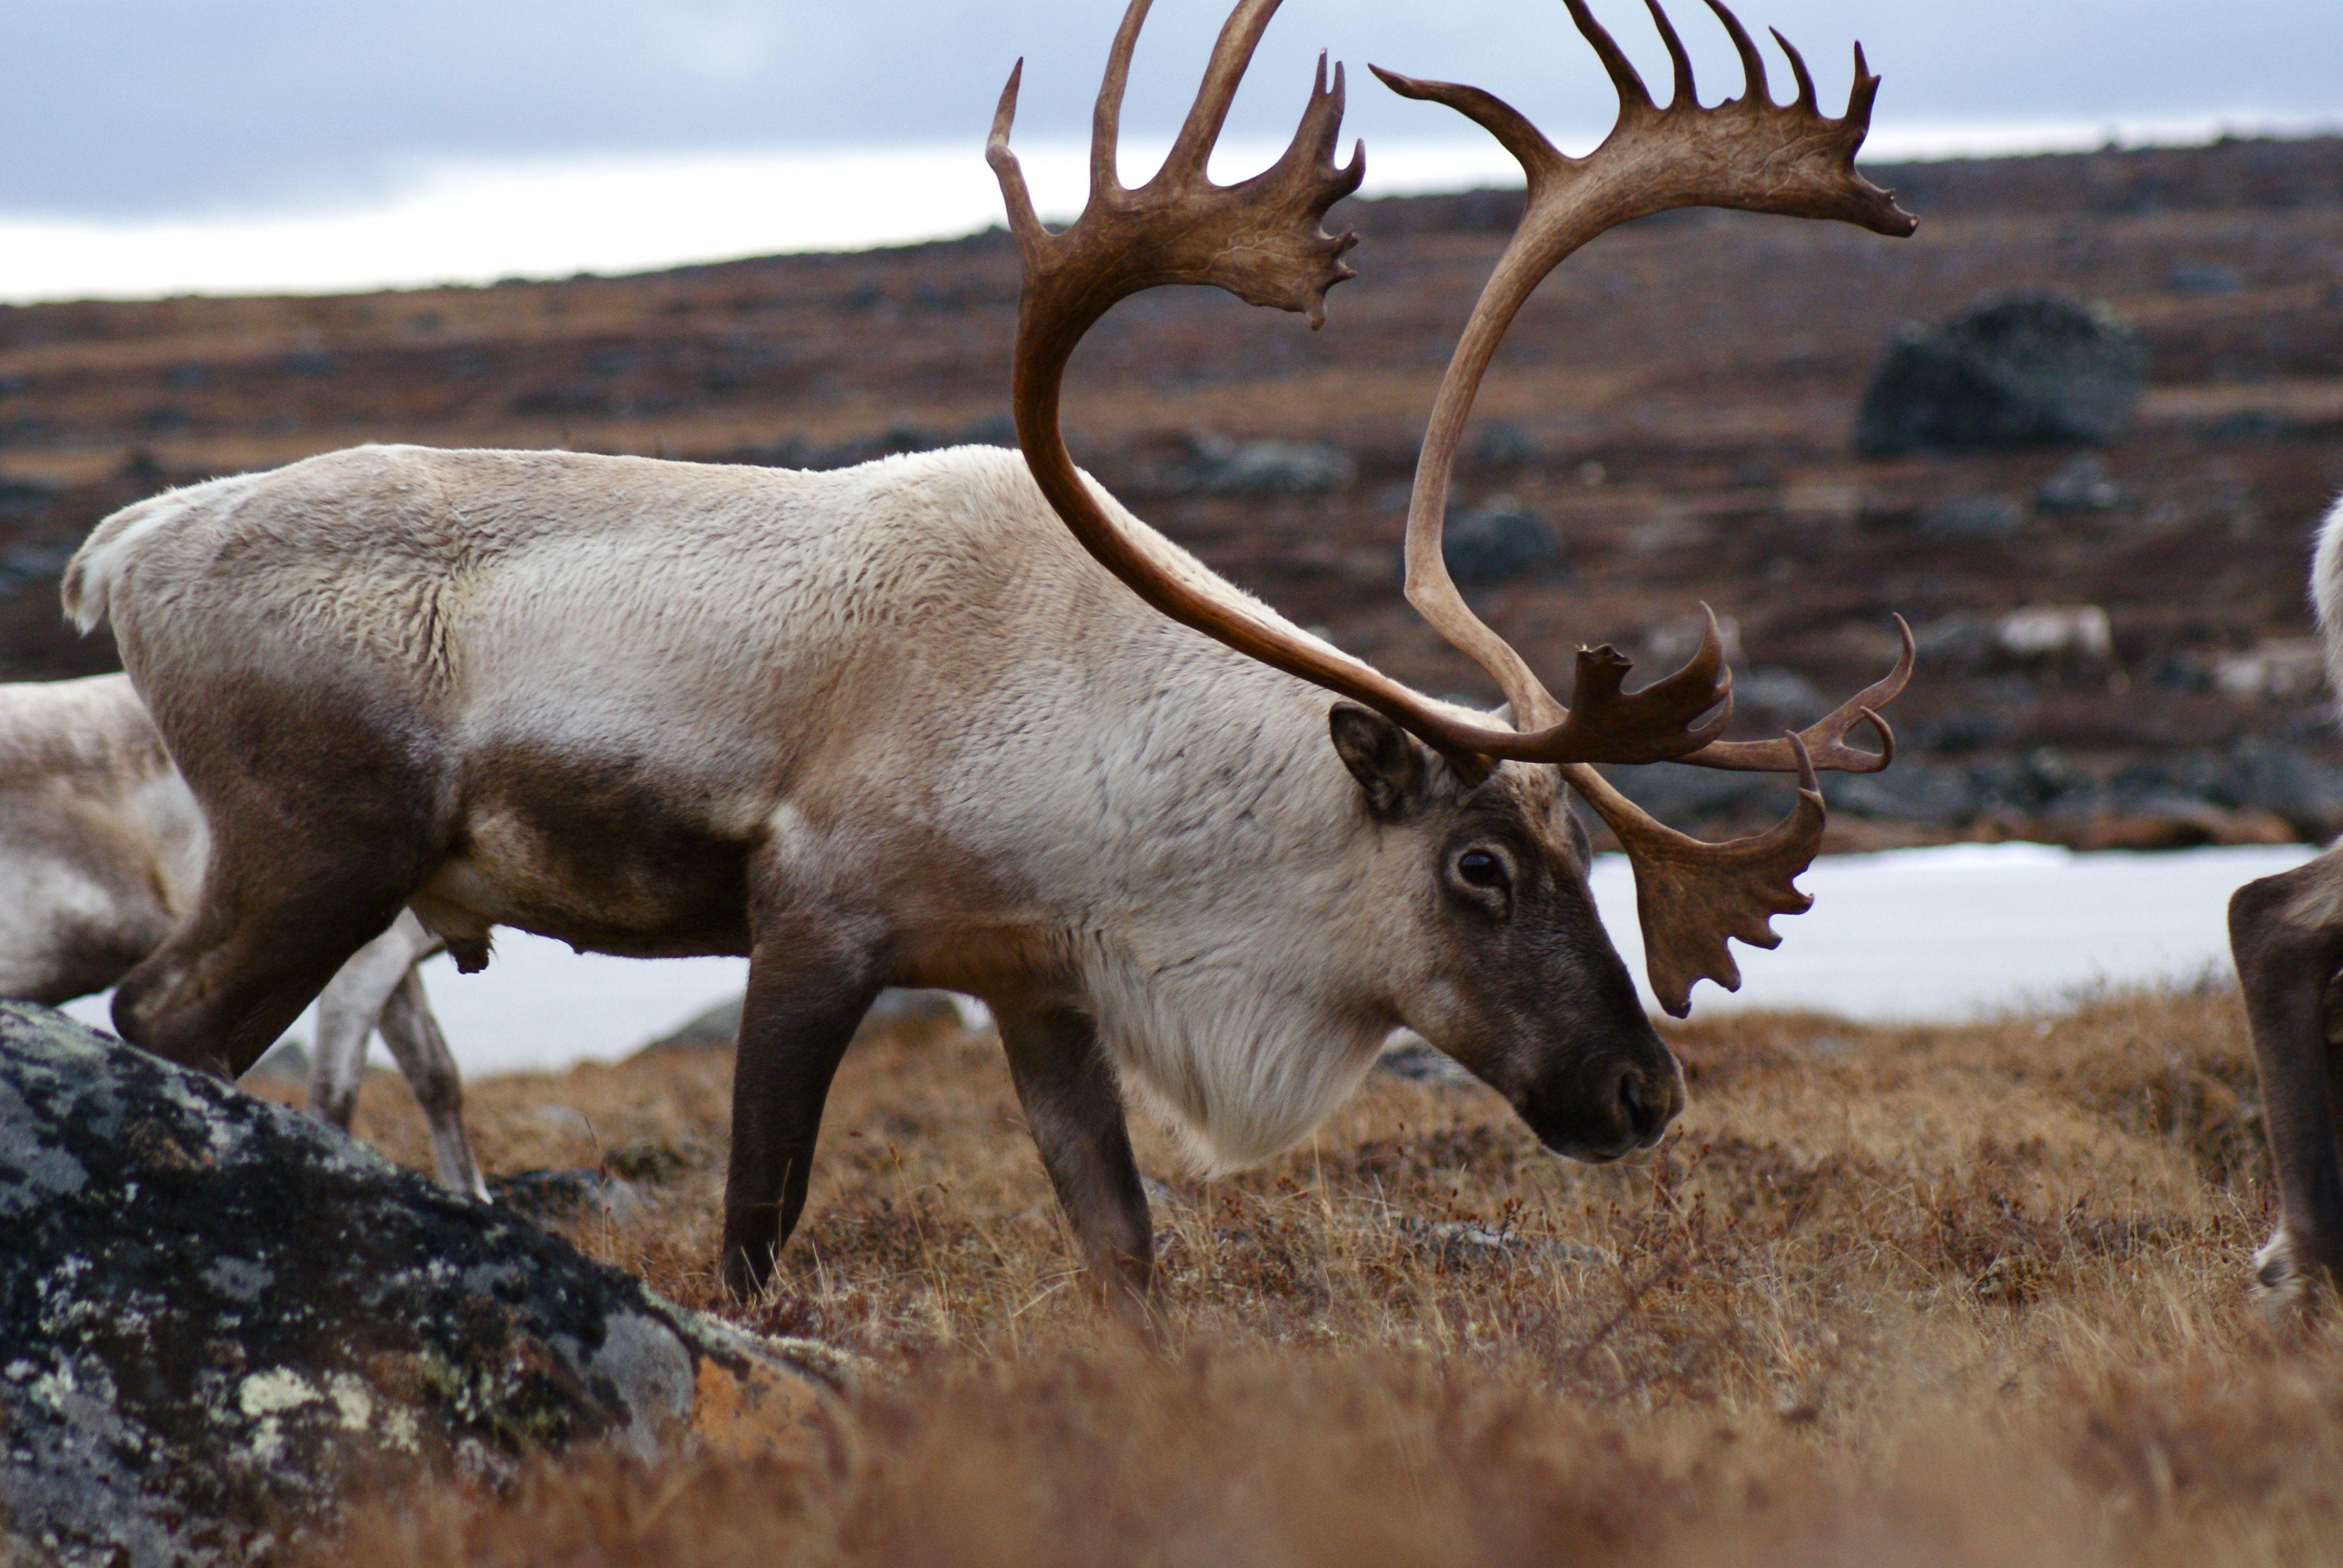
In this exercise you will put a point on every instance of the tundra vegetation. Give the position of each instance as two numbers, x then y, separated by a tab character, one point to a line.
1971	1295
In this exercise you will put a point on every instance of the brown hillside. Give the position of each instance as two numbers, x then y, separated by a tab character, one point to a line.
1676	404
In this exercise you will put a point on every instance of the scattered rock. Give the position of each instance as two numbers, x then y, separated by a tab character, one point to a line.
1504	445
1498	541
1987	515
2204	279
719	1026
1215	465
1407	1054
1469	1244
2083	485
286	1062
1910	792
562	1118
554	1195
656	1161
1679	795
2053	632
1671	644
2285	667
216	1315
2025	369
1777	699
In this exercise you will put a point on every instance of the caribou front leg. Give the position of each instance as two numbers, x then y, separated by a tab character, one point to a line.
2286	934
1073	1107
805	998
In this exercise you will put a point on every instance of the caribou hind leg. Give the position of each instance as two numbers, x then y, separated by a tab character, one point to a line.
413	1035
1073	1107
348	1010
2286	934
290	892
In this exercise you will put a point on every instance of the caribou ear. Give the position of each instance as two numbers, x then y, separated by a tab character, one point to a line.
1384	758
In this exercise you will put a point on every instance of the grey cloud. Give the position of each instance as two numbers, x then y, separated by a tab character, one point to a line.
139	108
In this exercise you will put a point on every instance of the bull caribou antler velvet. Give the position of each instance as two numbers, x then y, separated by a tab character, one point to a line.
1263	240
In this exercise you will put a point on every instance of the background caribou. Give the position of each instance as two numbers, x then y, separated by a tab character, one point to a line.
2287	934
892	726
101	854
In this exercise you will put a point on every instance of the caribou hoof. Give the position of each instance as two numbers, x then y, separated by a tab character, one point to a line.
2280	1279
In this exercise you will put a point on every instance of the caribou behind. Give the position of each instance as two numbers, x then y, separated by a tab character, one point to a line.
960	720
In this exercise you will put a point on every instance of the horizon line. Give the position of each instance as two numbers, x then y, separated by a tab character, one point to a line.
476	223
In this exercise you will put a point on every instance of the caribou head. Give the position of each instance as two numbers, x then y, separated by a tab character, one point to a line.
1513	974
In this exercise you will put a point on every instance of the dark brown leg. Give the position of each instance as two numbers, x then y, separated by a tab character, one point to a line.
2288	939
271	926
801	1011
1074	1108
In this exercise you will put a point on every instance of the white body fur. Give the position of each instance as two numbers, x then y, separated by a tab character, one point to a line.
102	849
936	715
2327	595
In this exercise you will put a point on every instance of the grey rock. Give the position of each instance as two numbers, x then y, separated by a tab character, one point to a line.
1777	698
1678	794
2082	485
719	1026
1461	1244
566	1195
2204	279
1960	639
2289	783
1986	516
1215	465
2024	369
1497	541
1910	792
216	1315
1409	1055
1504	445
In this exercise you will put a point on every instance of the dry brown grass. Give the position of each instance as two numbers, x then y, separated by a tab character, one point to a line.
1958	1295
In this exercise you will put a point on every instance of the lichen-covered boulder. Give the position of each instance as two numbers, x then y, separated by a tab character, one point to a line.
2021	371
216	1315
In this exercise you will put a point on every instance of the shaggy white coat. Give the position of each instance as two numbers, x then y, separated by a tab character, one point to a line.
905	681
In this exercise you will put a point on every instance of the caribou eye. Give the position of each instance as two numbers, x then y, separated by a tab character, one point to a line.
1481	869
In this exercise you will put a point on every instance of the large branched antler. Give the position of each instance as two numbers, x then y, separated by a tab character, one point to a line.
1261	241
1748	153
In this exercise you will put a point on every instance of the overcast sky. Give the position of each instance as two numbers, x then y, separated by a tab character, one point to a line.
142	108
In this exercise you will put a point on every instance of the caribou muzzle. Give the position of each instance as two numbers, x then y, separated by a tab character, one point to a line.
1612	1103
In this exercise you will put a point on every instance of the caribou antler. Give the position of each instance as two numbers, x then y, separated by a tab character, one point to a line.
1261	240
1749	153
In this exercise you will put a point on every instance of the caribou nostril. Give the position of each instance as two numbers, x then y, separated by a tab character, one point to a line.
1635	1100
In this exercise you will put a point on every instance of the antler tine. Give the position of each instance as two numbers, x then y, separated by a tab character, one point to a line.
1106	118
1860	96
1231	52
1633	93
1677	59
1826	740
1798	69
1752	153
1690	897
1261	240
1754	89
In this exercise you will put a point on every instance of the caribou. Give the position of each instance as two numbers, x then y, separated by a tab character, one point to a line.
960	720
101	852
2286	934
